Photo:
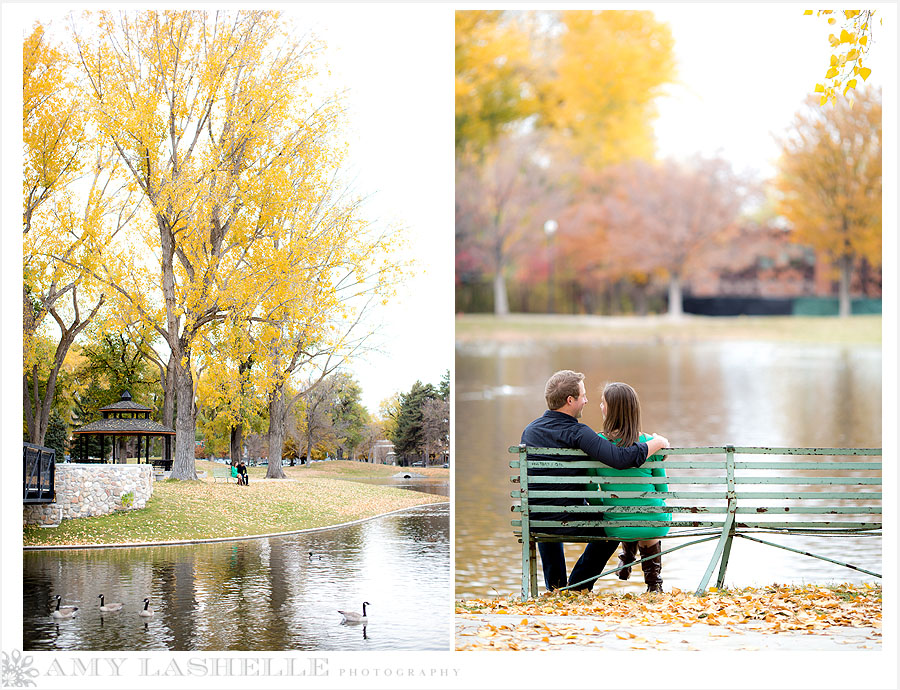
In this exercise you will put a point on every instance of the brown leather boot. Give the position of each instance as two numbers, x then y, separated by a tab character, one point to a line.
653	567
628	555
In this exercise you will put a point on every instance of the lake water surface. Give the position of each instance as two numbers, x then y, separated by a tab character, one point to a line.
256	594
695	394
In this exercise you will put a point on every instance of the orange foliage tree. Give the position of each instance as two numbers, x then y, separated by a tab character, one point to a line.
660	219
830	183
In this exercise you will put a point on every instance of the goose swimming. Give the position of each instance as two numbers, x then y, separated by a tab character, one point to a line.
108	608
64	611
353	616
146	611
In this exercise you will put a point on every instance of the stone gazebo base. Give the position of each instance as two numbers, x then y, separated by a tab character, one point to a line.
88	490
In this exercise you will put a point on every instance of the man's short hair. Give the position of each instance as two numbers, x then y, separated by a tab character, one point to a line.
560	386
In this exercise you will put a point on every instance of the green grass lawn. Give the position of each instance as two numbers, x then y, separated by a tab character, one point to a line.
336	469
185	510
853	330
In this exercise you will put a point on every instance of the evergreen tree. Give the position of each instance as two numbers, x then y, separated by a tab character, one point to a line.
444	386
57	436
410	434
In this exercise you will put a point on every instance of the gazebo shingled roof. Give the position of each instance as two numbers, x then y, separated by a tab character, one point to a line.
124	426
125	418
125	404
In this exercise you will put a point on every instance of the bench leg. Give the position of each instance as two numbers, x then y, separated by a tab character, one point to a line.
532	567
525	566
717	554
726	552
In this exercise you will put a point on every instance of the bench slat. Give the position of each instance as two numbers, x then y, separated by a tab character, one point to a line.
849	481
711	450
781	510
798	524
710	496
861	465
535	524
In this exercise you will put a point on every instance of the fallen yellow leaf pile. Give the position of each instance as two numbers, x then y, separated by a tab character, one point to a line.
811	609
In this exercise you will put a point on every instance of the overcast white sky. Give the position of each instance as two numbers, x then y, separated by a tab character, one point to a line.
400	99
744	70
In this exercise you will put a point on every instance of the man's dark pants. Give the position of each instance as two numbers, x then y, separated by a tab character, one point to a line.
591	563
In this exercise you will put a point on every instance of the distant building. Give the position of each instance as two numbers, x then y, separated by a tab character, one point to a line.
383	453
761	260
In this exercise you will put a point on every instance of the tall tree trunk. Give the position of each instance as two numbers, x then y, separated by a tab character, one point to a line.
121	446
675	305
640	300
277	419
236	443
845	263
38	407
168	386
501	302
183	463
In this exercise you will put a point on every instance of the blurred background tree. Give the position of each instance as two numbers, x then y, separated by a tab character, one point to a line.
830	183
563	205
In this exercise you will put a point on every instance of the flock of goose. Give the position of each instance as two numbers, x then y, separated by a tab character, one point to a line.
112	607
350	617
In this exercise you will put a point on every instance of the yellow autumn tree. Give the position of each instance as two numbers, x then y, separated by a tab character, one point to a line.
61	228
313	318
830	182
212	115
494	75
325	269
609	69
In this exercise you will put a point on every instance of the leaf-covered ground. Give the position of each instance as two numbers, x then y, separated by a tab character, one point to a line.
188	510
540	623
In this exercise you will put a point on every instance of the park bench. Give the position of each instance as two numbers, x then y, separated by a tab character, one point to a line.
712	496
222	474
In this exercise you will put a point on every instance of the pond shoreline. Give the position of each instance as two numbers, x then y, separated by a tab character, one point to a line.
660	328
128	545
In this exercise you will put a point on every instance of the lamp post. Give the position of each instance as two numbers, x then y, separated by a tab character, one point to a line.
549	229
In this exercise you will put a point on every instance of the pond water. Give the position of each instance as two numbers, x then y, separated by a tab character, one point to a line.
695	394
255	594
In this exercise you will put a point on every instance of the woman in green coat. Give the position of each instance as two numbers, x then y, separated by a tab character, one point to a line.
621	425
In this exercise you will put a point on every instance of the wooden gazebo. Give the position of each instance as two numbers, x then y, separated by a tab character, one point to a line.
124	418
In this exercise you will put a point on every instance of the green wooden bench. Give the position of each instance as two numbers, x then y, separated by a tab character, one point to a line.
222	474
711	497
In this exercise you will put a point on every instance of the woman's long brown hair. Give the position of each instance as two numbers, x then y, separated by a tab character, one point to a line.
623	414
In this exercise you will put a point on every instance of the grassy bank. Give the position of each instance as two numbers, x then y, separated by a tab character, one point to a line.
206	510
348	469
853	330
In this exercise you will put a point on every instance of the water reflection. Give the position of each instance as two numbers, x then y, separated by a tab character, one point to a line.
258	594
696	394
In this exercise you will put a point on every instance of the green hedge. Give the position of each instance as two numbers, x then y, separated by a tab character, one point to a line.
828	306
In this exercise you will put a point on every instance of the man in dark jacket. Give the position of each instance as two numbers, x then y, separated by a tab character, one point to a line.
559	427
